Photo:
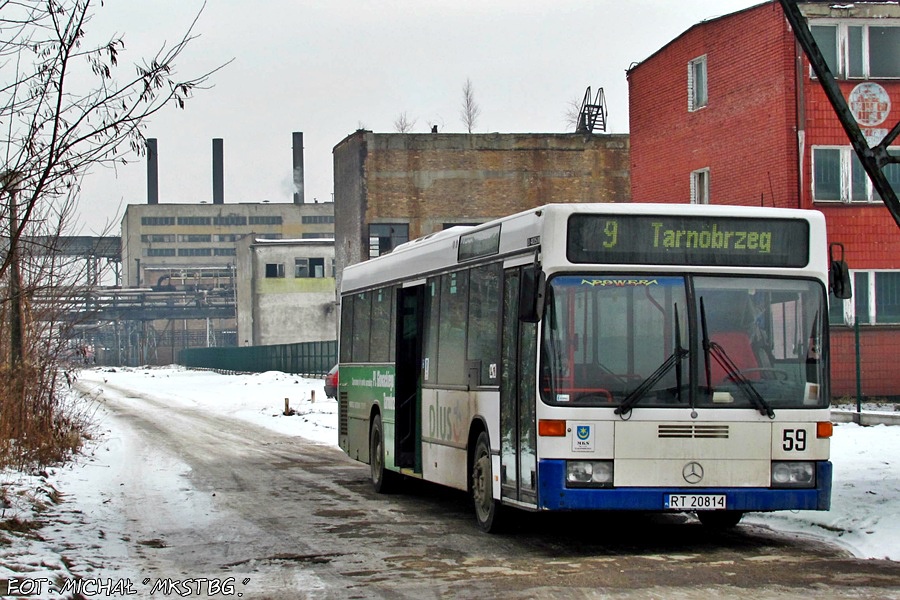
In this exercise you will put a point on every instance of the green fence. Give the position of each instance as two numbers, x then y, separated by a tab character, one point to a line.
307	358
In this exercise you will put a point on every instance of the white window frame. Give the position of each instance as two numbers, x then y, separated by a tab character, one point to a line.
304	268
849	306
698	95
843	47
847	154
279	271
301	268
700	186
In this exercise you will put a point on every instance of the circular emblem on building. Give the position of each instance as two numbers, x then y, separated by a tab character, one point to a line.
692	472
870	104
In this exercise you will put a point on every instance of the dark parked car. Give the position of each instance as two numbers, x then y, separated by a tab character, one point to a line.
331	382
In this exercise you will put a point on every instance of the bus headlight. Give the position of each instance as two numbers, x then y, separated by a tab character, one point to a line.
793	474
589	473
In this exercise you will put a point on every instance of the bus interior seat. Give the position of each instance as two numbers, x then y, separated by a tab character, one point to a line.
738	348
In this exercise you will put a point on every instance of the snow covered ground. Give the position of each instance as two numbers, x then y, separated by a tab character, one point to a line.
864	518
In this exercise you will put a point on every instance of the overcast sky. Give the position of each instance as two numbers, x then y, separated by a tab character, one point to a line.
328	67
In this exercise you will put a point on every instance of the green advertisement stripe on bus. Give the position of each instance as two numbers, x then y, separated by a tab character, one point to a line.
368	384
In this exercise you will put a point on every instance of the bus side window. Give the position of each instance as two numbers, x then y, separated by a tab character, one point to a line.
451	349
362	313
483	345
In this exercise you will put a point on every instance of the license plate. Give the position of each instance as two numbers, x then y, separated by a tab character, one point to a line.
696	501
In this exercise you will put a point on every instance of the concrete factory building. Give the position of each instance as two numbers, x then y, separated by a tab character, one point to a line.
190	263
393	187
193	246
186	245
285	291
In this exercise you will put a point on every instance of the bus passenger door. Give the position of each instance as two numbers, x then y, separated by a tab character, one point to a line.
518	448
408	377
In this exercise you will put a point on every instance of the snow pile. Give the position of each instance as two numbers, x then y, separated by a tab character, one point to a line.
25	560
258	398
865	499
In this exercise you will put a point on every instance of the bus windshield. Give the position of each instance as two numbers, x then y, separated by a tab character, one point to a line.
640	340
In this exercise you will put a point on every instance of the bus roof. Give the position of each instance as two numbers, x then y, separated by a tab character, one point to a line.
521	234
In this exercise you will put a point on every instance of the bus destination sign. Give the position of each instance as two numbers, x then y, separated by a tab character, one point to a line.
688	240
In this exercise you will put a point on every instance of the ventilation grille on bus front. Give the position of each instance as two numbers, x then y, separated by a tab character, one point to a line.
692	431
342	413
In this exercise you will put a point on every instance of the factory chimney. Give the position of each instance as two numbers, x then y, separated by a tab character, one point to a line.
218	172
298	167
152	172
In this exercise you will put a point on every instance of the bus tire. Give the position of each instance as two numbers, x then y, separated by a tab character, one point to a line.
382	478
720	520
487	510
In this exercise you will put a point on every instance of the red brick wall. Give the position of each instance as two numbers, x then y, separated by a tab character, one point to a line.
745	135
823	127
748	137
870	237
868	232
879	376
871	241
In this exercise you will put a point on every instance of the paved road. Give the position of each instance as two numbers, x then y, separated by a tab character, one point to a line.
286	518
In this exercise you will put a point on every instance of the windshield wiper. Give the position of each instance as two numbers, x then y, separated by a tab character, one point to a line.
674	359
732	371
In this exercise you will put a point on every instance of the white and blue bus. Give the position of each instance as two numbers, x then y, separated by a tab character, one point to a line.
586	357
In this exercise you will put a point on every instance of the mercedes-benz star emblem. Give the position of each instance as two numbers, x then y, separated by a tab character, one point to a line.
692	472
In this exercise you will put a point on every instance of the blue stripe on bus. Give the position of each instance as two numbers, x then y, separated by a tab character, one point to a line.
553	494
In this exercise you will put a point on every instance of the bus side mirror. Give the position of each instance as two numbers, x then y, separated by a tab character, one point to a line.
839	280
839	275
531	294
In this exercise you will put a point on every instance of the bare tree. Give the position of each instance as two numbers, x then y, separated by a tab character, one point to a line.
470	109
66	106
572	113
402	123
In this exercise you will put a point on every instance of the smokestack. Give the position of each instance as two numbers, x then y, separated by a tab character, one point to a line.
152	172
298	167
218	172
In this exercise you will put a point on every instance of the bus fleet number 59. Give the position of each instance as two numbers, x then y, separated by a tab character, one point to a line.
793	439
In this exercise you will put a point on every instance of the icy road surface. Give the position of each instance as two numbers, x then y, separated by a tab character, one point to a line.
183	492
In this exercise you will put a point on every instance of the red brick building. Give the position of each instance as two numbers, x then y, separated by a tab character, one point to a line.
730	113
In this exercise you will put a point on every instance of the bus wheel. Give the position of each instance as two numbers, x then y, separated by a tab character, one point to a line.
487	510
720	520
381	477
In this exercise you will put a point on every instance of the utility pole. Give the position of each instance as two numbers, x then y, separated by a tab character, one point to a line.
15	417
11	180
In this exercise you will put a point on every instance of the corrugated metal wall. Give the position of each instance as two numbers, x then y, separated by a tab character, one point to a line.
307	358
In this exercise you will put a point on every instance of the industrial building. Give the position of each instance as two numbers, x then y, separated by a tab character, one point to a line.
194	245
393	187
182	265
285	291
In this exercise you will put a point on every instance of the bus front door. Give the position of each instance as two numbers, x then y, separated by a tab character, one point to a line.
518	466
408	377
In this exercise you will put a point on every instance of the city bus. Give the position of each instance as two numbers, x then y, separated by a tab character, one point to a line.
598	357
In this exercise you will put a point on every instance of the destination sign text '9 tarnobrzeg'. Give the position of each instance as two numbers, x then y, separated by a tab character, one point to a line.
674	240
